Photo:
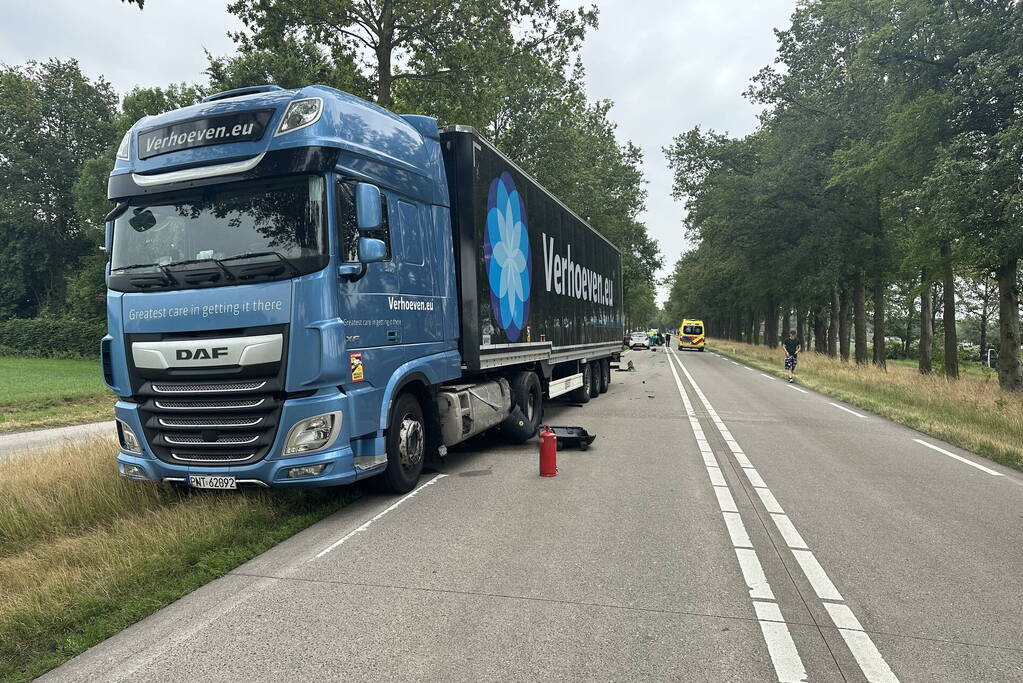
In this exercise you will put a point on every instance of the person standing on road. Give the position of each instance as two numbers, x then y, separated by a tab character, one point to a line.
792	347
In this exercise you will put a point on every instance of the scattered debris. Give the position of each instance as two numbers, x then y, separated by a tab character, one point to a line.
573	437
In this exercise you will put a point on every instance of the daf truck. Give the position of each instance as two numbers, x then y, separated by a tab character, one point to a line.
305	289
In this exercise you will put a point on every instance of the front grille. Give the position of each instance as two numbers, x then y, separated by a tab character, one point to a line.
207	404
213	458
183	440
210	416
200	422
208	387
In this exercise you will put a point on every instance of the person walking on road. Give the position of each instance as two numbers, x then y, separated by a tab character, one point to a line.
792	348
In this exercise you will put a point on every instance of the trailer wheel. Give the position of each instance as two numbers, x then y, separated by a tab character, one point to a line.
582	394
527	407
406	447
605	375
595	374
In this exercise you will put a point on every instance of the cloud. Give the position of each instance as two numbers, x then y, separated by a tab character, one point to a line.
671	65
667	64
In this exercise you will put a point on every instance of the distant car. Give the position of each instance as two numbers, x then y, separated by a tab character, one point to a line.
639	340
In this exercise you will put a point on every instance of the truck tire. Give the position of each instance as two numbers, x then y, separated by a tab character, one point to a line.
605	375
582	394
523	422
406	447
595	374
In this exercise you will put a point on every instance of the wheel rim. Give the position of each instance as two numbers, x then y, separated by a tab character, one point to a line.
411	443
531	407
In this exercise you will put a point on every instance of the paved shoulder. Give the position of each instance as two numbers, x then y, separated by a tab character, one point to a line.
23	442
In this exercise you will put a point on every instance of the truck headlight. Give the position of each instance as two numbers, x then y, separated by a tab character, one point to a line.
313	433
299	114
123	148
126	436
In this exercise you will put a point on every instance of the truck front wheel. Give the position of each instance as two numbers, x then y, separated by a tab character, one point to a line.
527	407
406	447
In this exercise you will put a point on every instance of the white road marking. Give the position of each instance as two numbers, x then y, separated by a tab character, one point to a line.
788	531
725	500
754	477
787	664
802	391
753	573
716	478
748	368
780	647
859	643
816	575
769	501
737	530
960	458
766	375
857	640
852	412
734	363
367	523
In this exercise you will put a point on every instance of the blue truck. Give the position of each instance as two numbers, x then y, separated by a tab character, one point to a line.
305	289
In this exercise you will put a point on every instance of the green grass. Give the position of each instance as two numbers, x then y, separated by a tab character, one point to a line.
971	412
85	553
46	392
964	368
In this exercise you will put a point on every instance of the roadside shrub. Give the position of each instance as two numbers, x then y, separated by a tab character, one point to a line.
51	337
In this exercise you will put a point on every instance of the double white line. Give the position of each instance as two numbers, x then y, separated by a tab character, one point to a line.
786	660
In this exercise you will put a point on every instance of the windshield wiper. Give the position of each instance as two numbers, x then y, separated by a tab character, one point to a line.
255	254
163	269
218	262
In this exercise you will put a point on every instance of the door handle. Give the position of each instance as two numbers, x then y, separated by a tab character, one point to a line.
392	335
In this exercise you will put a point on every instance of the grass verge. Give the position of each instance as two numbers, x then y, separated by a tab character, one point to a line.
971	412
51	392
84	553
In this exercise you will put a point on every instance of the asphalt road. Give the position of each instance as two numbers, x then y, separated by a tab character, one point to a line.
725	526
19	443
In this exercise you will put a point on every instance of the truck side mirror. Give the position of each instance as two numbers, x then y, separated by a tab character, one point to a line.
367	207
372	250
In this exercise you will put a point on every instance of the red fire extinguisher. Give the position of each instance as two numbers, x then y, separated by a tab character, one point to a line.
548	452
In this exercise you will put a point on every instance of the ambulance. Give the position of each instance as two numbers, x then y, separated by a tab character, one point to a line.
690	335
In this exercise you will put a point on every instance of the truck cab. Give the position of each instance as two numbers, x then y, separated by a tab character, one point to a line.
280	269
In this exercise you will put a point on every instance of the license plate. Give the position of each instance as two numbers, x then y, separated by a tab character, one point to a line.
211	482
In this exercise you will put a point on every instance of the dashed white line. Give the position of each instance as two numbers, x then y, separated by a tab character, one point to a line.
367	523
736	530
762	374
851	412
816	575
859	643
960	458
788	665
788	531
753	573
802	391
870	660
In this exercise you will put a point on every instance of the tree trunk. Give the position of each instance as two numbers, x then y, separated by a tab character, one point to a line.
879	327
1010	370
948	317
926	326
835	322
820	333
786	324
860	318
756	327
771	325
910	314
843	326
385	48
801	326
985	315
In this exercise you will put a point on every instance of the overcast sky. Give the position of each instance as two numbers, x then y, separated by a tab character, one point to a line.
668	65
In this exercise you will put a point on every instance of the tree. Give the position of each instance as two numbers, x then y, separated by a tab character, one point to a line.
54	120
405	40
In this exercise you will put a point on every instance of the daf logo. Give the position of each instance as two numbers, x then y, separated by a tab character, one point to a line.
201	354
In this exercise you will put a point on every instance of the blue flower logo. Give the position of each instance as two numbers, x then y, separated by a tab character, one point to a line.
506	252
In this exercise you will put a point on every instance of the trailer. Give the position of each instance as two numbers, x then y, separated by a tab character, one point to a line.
305	289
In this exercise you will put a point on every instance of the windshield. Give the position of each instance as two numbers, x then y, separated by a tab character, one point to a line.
280	222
